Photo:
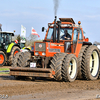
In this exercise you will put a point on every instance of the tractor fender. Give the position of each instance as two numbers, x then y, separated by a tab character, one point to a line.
25	49
10	47
28	48
85	43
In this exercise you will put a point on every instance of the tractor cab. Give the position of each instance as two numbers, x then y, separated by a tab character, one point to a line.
57	40
5	39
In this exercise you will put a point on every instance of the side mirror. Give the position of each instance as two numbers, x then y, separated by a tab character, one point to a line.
43	29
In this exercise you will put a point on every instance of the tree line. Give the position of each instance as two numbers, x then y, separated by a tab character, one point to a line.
29	40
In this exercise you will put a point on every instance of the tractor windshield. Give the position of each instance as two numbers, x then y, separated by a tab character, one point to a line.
62	33
5	38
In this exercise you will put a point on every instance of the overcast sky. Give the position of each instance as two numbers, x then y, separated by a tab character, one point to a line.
38	13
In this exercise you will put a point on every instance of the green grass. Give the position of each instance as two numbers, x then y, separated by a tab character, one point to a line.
3	69
4	72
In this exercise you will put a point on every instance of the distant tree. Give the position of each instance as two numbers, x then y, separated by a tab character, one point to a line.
14	37
97	43
39	40
18	38
31	39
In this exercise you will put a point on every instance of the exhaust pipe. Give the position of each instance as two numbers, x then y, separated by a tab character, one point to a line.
54	30
58	35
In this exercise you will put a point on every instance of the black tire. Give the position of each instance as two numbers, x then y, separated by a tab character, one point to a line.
18	60
26	59
2	58
80	59
14	50
22	59
56	65
20	77
90	65
69	65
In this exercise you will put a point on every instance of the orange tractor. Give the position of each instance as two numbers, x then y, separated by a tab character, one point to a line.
58	56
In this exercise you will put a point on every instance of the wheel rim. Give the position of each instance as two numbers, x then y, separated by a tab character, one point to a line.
94	63
1	58
15	52
72	68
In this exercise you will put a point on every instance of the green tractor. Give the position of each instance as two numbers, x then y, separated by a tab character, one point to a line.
8	48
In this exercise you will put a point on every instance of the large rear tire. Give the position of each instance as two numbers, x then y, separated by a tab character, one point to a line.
21	59
56	65
90	67
18	60
80	61
14	51
2	58
26	59
69	68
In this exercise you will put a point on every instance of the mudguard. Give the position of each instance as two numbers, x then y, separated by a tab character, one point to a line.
10	47
28	48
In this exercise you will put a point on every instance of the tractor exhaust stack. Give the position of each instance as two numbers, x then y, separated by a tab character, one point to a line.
54	29
58	35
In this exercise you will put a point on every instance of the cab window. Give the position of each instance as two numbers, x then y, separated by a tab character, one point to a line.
75	35
80	36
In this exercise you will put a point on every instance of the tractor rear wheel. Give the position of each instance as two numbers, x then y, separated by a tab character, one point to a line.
90	67
14	51
2	58
18	60
69	68
21	59
80	61
56	65
26	59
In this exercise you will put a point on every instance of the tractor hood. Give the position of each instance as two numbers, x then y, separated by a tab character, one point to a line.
47	49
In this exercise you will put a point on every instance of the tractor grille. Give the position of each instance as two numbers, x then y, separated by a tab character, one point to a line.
40	47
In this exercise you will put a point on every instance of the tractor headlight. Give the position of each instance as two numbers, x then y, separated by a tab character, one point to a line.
43	53
36	53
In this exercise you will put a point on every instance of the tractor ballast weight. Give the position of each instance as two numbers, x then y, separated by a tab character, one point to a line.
58	56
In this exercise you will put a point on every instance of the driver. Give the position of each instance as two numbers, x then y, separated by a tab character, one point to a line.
66	36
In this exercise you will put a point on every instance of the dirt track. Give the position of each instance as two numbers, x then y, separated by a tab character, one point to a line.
48	89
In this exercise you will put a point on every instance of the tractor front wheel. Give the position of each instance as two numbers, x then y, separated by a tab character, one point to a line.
2	58
69	68
56	65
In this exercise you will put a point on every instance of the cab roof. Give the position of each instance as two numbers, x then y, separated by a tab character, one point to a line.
67	20
7	33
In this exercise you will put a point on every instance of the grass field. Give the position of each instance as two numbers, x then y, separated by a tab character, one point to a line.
4	69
